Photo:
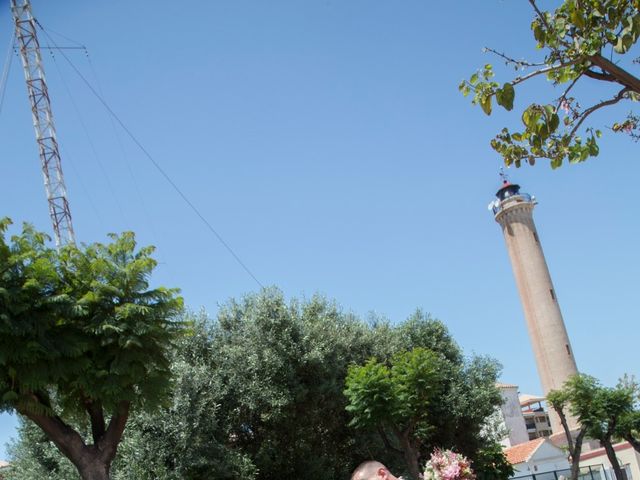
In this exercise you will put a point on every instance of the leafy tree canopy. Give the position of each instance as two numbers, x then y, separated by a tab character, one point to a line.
259	394
582	41
83	339
420	399
605	414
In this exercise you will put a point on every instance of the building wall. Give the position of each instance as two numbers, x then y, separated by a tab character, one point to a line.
626	456
546	458
512	416
537	424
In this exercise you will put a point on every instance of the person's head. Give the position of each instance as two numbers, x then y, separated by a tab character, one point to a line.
372	470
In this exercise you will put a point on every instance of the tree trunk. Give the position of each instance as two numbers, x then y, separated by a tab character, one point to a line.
92	461
635	443
575	454
611	455
575	445
410	457
94	469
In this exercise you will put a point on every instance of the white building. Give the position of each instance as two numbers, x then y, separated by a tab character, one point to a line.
628	458
536	417
512	417
536	457
523	417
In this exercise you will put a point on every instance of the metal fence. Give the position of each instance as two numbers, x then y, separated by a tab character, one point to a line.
595	472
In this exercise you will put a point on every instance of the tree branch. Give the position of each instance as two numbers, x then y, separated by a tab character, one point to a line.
540	15
564	95
635	443
575	453
68	441
605	77
623	77
108	444
551	68
96	416
508	59
544	22
386	441
565	426
412	424
598	106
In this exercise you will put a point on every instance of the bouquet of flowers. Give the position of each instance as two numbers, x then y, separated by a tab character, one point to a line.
448	465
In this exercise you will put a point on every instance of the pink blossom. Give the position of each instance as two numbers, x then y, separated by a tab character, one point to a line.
451	472
448	465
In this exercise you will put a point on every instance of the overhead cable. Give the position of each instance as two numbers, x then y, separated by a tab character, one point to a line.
155	163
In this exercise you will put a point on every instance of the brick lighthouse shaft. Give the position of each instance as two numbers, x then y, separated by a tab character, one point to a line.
553	353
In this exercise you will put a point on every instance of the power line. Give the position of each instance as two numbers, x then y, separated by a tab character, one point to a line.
5	70
155	163
123	152
105	174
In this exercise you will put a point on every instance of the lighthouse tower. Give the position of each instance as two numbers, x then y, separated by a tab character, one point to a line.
513	210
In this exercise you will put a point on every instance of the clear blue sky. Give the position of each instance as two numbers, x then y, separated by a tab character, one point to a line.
327	142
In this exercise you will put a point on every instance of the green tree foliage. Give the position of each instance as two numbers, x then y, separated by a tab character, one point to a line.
491	463
83	340
259	394
187	438
421	399
628	426
605	414
282	368
582	41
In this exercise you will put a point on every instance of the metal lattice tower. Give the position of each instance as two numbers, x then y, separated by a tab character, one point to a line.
27	40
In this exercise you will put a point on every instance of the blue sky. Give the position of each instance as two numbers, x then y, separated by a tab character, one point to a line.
327	143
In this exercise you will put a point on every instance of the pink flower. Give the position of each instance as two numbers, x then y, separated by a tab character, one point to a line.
448	465
451	472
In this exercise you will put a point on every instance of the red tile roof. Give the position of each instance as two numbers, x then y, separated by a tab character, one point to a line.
522	453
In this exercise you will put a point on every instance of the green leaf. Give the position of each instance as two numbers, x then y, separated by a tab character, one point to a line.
530	117
624	43
577	18
485	103
505	96
538	32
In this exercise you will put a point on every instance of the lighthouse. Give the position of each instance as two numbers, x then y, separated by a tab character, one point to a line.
513	210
